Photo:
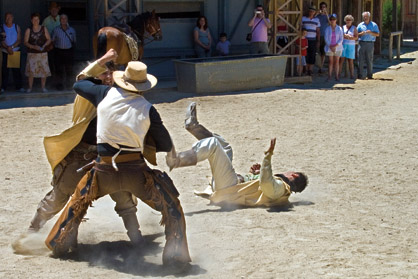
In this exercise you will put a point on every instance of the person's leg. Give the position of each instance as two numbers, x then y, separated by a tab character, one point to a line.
337	67
264	48
361	58
369	60
48	207
199	131
59	68
341	63
351	67
17	78
43	81
5	72
330	66
30	84
64	182
126	209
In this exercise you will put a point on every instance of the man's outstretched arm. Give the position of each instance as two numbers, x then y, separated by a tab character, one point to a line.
271	187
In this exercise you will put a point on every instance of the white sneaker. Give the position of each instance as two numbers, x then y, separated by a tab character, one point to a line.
21	90
2	90
28	90
44	90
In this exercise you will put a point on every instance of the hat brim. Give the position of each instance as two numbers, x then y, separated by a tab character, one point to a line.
134	86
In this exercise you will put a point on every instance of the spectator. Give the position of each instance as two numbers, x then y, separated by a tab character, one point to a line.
349	44
302	43
223	45
323	19
202	38
50	22
36	38
312	24
9	45
367	32
2	37
64	39
333	46
259	27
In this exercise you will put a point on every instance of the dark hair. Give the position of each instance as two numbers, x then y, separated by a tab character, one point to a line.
298	184
35	15
323	3
206	22
304	29
6	14
223	34
260	6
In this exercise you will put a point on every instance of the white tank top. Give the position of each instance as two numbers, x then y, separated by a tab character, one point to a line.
123	119
350	32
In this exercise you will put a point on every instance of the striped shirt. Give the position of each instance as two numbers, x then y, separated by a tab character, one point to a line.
311	25
62	40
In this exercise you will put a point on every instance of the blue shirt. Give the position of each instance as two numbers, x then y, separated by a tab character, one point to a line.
61	39
367	37
323	19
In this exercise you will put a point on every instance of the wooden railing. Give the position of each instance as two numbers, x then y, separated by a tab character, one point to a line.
398	49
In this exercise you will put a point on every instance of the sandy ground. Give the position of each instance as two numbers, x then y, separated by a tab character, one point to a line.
357	219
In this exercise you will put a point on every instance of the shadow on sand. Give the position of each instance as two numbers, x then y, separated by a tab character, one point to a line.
121	256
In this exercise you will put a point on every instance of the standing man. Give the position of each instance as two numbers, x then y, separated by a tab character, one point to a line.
259	28
64	39
324	21
312	25
367	32
9	45
50	22
73	149
124	119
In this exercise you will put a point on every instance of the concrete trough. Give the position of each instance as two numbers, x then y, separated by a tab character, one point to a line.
230	73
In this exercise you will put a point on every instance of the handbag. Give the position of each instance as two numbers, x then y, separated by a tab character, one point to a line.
49	47
250	35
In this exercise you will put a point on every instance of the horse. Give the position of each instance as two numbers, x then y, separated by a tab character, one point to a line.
144	26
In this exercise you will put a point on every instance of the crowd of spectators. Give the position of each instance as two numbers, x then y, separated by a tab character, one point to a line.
49	49
321	37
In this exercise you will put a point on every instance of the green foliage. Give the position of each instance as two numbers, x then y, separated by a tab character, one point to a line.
387	16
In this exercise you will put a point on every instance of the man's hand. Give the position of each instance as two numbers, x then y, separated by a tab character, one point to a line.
110	55
272	145
255	169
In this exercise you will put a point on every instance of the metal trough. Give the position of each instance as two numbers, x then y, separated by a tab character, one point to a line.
230	73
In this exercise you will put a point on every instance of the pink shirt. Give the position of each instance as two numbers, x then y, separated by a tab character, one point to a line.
260	30
333	39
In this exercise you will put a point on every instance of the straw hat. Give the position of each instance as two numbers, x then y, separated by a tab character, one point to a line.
135	77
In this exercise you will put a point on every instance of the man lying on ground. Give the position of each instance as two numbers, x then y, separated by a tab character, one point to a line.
260	188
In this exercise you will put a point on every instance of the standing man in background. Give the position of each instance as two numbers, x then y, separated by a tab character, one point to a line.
367	32
323	19
259	28
64	39
50	22
312	24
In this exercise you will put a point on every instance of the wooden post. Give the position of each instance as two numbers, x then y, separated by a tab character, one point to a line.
390	46
378	19
398	50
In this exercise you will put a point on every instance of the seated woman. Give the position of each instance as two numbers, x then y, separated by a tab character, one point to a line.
259	188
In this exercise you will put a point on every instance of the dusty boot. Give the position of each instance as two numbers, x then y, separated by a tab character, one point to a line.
37	223
192	125
132	226
181	159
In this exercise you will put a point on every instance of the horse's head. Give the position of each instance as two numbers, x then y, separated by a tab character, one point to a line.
152	26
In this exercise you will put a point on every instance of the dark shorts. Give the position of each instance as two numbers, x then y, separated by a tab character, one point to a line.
311	52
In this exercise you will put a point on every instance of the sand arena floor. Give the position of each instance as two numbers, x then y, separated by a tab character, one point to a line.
357	142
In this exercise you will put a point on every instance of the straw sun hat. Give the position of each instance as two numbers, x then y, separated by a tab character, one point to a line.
135	77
